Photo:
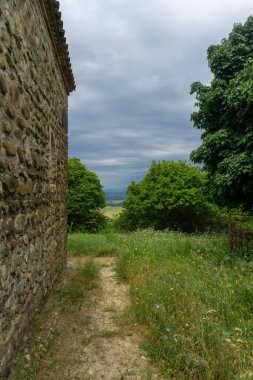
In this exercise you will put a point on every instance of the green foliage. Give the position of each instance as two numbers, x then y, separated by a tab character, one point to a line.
102	244
186	287
194	305
85	198
225	110
171	195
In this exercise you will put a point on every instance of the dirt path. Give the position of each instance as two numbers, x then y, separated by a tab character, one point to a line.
93	343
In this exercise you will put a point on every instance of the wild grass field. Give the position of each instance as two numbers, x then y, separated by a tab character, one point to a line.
192	302
112	211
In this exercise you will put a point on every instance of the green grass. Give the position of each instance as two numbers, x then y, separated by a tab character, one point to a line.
69	295
80	244
243	221
193	303
74	291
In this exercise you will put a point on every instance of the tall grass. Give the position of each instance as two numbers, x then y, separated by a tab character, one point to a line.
193	302
75	289
102	244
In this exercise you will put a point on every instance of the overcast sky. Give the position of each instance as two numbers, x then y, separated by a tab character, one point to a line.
134	62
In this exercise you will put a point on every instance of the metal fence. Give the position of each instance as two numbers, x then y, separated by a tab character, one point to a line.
240	235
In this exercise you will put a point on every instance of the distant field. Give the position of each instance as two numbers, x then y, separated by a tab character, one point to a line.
111	212
115	203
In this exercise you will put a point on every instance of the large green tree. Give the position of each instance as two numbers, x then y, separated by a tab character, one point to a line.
225	114
171	195
85	197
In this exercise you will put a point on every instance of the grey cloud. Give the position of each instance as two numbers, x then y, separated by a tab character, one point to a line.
134	63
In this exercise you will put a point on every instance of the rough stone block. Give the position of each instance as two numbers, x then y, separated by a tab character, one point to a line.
10	148
21	123
3	84
21	188
7	127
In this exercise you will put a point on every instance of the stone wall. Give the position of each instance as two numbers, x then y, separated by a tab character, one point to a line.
33	152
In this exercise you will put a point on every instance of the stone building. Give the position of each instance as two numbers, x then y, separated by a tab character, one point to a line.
35	80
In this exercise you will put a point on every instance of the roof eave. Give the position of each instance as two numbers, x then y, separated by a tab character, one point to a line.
55	25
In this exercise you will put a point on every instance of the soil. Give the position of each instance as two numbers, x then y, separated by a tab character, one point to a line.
96	341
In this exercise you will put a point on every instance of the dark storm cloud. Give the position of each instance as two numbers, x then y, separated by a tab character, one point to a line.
134	62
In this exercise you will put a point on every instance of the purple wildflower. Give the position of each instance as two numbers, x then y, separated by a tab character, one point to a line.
165	337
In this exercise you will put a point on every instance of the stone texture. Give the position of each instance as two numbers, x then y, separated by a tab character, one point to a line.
7	127
10	148
33	158
10	111
26	112
14	93
21	123
2	63
9	184
3	85
21	189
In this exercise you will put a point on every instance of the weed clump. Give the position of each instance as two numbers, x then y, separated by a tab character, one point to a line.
192	301
74	291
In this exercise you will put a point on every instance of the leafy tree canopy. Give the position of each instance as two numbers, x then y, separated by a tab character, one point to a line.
171	195
85	197
225	114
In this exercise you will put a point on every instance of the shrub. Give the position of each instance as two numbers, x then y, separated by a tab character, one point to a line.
85	198
171	195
